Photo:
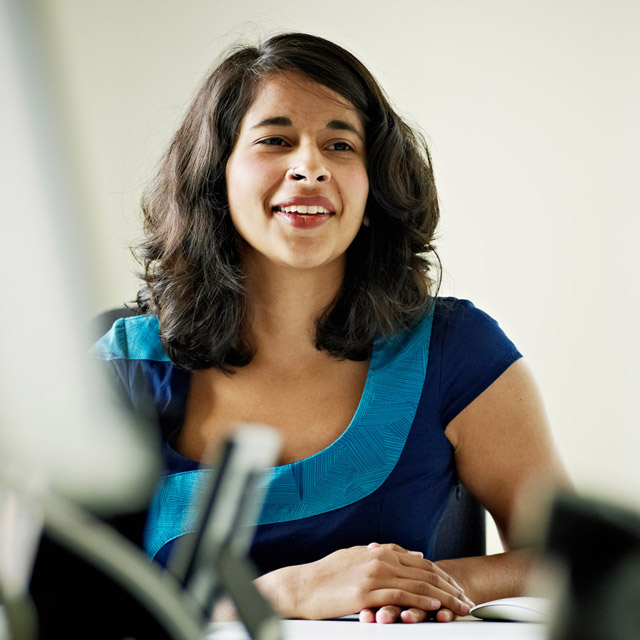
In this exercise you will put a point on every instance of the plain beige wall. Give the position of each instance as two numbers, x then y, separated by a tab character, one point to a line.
531	110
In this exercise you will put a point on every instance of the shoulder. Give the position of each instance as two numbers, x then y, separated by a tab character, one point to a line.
461	326
133	338
459	314
469	351
452	324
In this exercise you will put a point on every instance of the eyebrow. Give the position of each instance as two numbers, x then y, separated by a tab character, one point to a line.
283	121
341	125
278	121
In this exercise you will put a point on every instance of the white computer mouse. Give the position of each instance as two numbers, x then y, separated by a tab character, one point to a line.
519	609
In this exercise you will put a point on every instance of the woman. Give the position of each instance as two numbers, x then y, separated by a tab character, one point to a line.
290	280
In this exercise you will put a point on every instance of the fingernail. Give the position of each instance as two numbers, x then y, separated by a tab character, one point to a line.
417	553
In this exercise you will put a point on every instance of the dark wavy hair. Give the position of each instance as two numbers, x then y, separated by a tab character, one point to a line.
192	270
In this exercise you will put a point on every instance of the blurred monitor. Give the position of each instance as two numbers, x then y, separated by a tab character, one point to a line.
59	431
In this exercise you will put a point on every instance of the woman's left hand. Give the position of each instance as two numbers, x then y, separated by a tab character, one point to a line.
392	613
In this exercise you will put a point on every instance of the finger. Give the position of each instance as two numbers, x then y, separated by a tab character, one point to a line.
428	565
430	588
445	615
458	588
435	579
388	614
367	615
402	598
452	581
412	615
391	546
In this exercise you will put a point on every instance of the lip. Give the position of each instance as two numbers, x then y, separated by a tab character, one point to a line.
304	220
308	201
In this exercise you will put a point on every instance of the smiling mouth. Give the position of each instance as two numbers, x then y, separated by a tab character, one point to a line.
303	210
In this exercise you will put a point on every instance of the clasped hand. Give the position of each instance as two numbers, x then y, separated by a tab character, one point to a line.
384	582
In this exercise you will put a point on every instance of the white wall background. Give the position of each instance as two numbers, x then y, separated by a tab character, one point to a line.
531	109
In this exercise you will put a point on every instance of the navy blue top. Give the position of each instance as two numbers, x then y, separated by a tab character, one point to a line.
387	478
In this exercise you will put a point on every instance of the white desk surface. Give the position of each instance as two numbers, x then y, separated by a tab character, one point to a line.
461	629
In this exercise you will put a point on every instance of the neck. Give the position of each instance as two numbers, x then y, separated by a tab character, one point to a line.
285	304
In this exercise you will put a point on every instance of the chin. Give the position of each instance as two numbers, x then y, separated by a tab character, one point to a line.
307	262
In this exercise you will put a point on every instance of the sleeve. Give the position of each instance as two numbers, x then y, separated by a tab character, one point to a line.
131	353
110	356
111	352
474	353
141	375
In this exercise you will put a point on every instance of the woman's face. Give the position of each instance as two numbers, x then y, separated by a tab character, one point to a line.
297	179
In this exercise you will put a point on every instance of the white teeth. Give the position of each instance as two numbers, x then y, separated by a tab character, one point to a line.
304	209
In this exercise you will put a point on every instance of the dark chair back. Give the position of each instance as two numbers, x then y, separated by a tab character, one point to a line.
462	530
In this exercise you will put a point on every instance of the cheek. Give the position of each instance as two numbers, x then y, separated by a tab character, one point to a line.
249	180
358	187
238	182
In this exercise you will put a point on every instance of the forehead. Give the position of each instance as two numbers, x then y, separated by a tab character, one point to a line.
300	98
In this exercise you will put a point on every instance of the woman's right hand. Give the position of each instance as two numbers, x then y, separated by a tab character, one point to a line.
358	578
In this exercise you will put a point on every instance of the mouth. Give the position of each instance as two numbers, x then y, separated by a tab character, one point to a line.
303	210
304	217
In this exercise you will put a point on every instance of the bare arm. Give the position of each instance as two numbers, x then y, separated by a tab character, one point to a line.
505	455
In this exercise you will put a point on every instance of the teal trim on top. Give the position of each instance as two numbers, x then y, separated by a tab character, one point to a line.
134	338
360	460
349	469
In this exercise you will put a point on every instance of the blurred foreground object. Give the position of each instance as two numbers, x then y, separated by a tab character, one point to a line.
213	562
59	430
594	548
89	581
71	456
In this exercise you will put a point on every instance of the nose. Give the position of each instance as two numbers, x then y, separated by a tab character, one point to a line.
309	166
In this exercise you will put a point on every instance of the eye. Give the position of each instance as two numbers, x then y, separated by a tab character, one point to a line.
272	141
340	146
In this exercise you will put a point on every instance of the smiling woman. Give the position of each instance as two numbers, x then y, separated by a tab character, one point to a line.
290	280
